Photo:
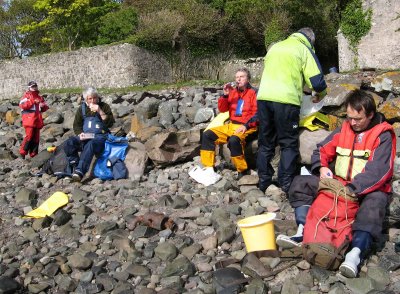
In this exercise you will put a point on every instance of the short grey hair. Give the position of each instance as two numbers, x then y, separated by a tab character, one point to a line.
243	69
90	91
309	33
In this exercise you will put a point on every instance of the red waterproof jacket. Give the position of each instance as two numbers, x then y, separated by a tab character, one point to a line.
31	111
230	102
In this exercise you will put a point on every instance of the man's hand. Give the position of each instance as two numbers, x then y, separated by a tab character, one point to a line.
240	130
94	107
325	173
37	100
82	136
227	88
317	97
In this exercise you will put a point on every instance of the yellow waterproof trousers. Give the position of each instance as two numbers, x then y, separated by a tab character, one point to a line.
221	135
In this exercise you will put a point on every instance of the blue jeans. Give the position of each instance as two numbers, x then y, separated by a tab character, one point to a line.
88	148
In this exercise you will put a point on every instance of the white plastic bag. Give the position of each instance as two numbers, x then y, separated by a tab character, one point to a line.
304	171
308	107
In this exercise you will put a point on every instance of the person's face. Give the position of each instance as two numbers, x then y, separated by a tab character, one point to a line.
91	99
359	121
33	88
241	79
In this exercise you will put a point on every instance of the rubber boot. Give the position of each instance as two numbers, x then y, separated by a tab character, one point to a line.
287	242
360	244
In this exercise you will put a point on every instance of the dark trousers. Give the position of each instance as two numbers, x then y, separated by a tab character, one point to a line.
88	148
279	124
370	215
30	144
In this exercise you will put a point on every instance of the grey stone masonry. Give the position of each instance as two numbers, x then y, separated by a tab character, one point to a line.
109	66
380	47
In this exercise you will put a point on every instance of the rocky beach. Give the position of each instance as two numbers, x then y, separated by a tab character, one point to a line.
100	242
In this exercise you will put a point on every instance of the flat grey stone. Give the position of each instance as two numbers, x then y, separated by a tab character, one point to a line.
8	285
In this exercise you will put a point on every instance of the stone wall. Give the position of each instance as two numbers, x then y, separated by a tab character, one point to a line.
102	66
255	65
379	48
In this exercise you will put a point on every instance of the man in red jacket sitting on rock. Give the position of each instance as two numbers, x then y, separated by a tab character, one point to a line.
241	102
32	106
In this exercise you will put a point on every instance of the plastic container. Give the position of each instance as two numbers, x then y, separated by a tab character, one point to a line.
258	232
308	107
333	70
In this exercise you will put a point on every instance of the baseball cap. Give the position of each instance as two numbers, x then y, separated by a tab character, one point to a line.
32	83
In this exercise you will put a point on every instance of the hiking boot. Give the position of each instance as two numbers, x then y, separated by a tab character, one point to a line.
22	156
77	176
349	267
288	242
33	154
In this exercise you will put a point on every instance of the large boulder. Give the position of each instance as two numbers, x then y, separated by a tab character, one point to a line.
168	112
391	109
308	143
147	109
339	86
172	147
11	116
389	81
69	117
141	130
136	159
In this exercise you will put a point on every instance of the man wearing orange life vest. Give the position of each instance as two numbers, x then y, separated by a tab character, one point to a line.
364	149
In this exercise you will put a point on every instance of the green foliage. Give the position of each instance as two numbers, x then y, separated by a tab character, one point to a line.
181	26
69	24
323	17
217	4
117	25
183	30
157	32
12	42
258	19
355	22
276	30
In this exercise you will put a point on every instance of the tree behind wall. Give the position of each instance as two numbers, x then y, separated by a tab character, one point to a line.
185	31
69	24
13	43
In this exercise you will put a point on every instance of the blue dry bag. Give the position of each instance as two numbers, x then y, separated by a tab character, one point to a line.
114	152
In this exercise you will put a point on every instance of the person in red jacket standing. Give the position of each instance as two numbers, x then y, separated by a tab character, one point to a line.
240	100
32	106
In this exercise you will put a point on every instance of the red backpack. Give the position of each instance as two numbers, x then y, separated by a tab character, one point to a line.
328	232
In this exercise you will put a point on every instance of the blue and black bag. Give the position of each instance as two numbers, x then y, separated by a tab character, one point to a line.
110	165
60	164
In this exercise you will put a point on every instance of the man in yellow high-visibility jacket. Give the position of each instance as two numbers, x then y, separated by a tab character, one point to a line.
288	66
